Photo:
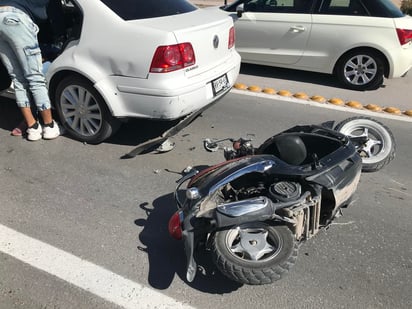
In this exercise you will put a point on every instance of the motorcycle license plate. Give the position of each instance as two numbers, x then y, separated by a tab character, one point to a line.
220	84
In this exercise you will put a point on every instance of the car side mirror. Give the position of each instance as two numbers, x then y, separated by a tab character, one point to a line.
240	9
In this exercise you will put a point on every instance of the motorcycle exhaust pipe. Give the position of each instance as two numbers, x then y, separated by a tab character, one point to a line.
255	209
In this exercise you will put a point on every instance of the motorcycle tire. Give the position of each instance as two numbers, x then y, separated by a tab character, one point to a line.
255	253
379	150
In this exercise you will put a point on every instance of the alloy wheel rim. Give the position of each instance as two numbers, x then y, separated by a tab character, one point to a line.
378	143
80	110
360	69
253	242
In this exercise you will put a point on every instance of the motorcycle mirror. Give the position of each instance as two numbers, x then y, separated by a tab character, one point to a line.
210	146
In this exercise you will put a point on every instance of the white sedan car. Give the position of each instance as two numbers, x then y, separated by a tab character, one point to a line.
116	59
360	41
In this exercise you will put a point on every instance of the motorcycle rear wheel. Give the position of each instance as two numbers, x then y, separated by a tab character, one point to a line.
255	253
379	150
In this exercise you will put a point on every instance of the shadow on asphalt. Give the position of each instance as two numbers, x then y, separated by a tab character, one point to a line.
166	256
131	133
136	131
306	77
10	115
289	74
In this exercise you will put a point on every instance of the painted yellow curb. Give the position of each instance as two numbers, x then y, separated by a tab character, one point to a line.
254	88
240	86
393	110
336	101
373	107
269	90
318	98
301	95
354	104
284	93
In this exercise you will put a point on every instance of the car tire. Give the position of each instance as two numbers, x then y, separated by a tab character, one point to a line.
360	70
83	112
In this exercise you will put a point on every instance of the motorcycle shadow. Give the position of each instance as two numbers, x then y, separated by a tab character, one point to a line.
166	256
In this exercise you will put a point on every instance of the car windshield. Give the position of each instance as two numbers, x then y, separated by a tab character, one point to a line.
140	9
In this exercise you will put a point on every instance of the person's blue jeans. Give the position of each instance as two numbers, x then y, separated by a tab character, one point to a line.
21	55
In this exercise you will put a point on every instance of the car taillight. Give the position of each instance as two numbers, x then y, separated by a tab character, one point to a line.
175	225
172	57
231	37
404	35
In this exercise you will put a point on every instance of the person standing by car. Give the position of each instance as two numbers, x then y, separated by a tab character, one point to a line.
21	55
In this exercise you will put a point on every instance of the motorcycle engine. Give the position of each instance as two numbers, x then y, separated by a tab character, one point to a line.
285	191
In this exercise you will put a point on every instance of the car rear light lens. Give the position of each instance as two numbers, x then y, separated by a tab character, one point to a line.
404	36
175	225
231	37
172	57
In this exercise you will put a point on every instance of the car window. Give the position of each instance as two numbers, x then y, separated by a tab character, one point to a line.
343	7
376	8
383	8
140	9
273	6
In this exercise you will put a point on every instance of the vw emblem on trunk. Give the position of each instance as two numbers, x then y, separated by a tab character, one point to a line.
215	41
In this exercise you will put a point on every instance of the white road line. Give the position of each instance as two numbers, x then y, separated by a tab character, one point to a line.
81	273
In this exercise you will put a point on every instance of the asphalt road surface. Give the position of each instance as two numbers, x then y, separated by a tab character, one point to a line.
82	228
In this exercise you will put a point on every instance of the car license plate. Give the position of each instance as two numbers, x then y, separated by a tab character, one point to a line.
220	84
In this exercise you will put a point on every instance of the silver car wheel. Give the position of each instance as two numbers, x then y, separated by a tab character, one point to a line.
360	69
81	110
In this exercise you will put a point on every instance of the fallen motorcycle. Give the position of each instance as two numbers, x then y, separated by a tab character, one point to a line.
254	209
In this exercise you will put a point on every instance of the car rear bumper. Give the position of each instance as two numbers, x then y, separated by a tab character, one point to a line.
165	96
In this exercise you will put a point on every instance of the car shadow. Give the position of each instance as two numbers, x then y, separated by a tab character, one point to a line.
306	77
131	133
136	131
289	74
166	255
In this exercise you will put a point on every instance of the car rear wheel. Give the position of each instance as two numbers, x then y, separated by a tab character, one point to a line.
83	112
360	70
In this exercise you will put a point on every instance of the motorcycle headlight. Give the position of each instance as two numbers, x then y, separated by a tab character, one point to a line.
192	193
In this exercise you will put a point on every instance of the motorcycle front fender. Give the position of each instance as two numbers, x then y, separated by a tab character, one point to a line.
188	237
189	243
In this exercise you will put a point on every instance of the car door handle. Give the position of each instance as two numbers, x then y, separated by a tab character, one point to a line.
297	28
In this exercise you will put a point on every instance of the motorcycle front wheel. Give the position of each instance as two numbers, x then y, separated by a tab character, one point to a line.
380	147
255	253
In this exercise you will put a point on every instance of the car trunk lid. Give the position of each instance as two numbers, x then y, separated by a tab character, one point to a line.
207	32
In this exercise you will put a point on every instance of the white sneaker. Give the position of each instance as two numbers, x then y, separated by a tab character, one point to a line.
34	133
51	131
